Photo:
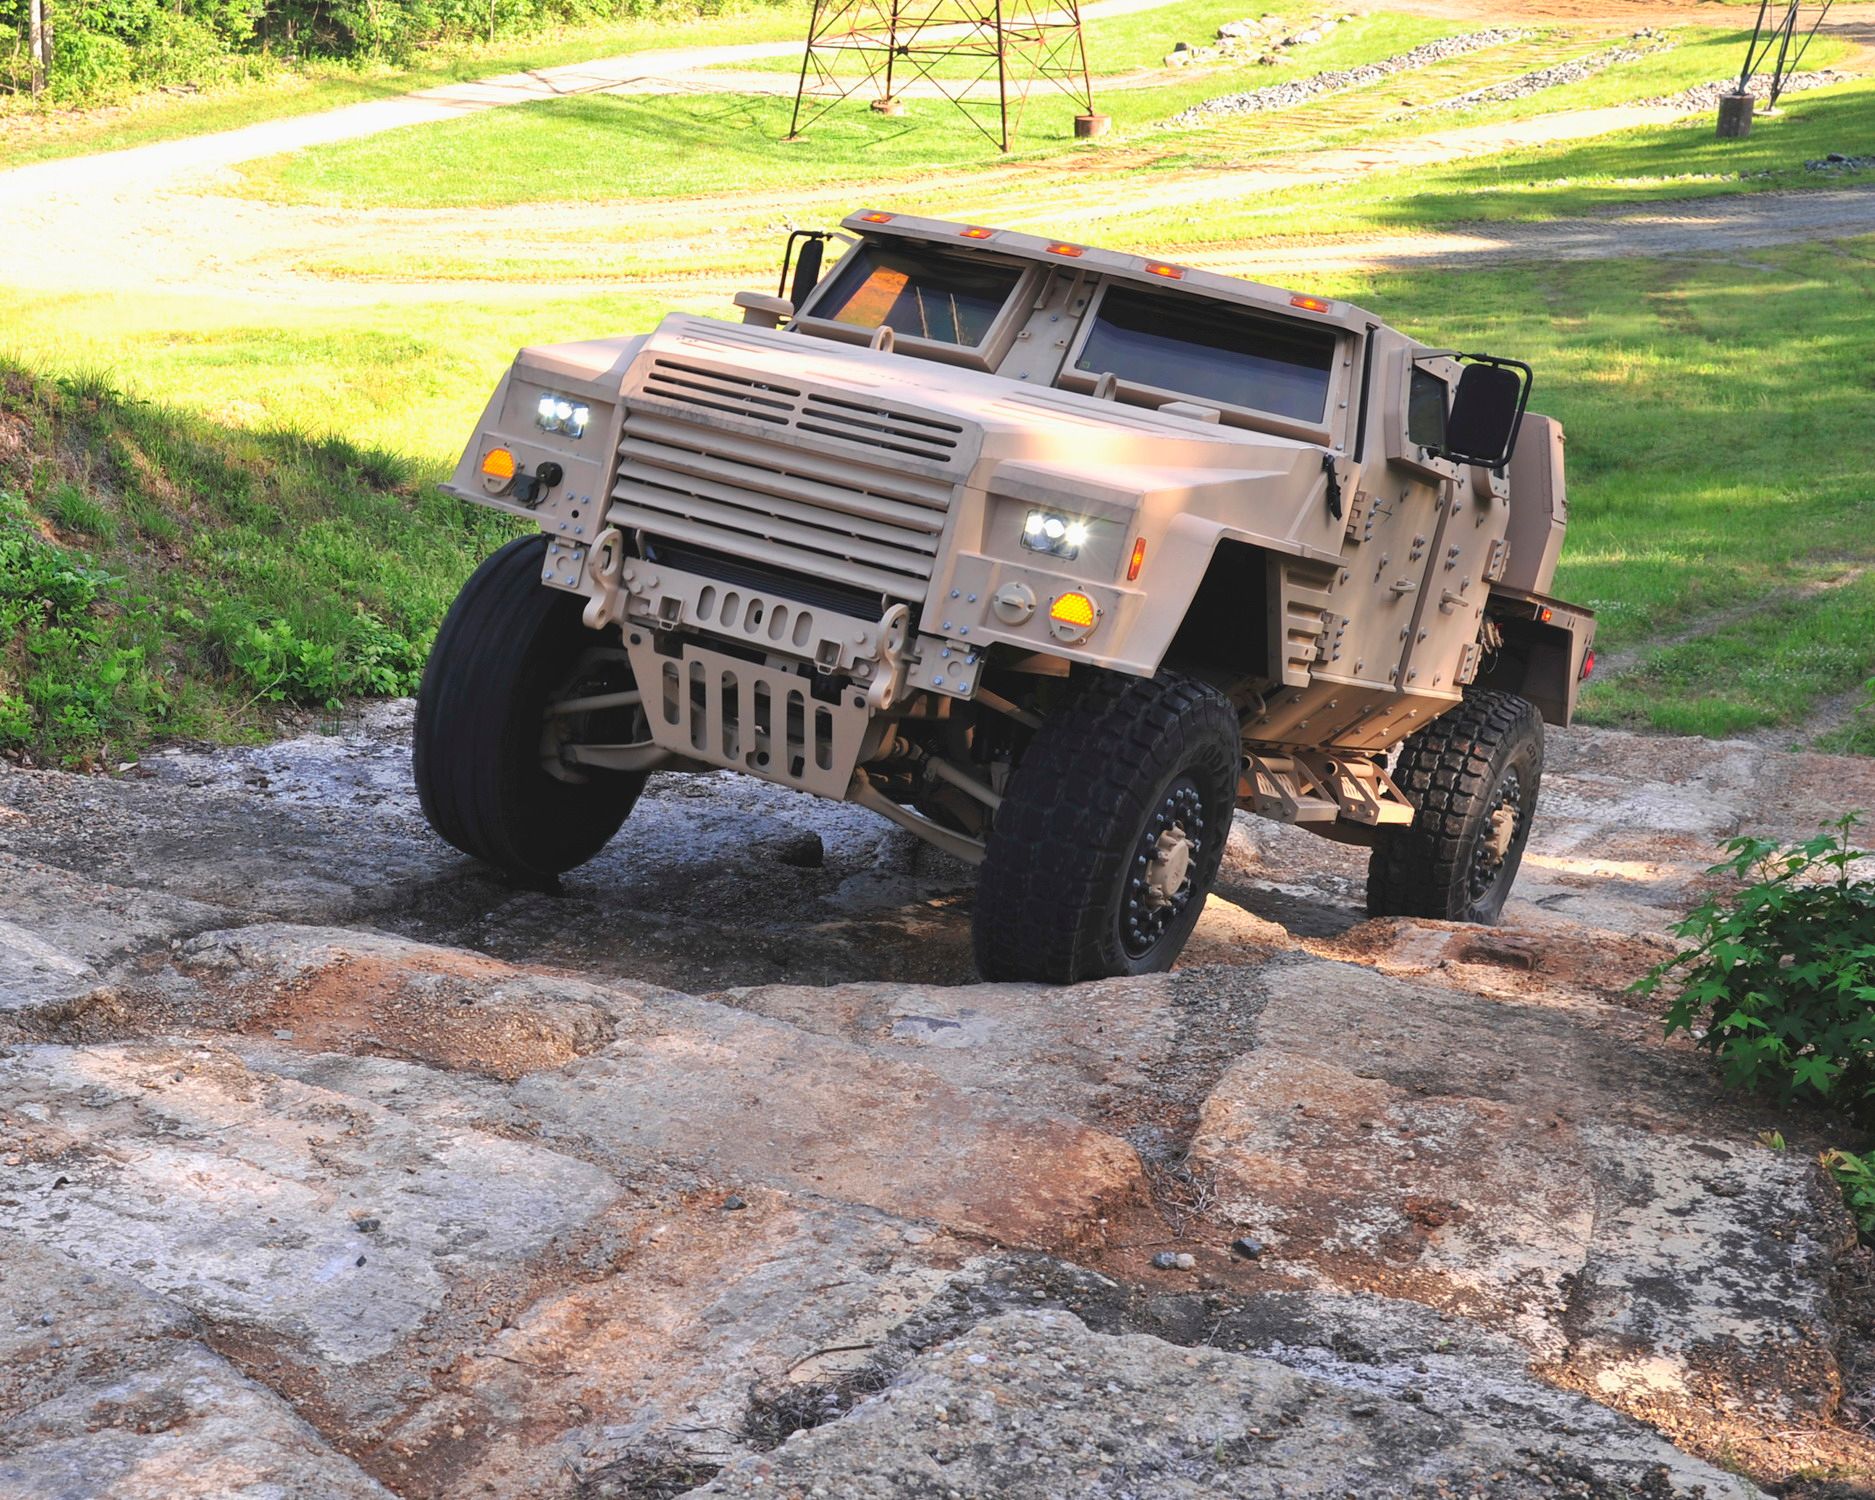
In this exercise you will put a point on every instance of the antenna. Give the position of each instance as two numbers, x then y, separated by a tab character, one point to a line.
878	48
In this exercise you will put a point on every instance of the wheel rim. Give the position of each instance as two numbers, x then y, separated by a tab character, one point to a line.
1497	839
1161	876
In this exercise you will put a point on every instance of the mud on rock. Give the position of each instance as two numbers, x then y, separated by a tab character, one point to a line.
331	1165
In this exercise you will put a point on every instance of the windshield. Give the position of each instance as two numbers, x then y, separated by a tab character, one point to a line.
1212	351
918	294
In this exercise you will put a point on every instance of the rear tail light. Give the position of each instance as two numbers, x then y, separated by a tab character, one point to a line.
1588	663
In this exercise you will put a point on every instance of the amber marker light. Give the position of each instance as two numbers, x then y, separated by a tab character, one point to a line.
875	218
1074	609
498	470
1311	304
1156	268
1139	559
1064	249
976	234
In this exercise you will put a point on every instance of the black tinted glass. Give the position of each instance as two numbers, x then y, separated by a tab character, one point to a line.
1425	410
926	295
1213	352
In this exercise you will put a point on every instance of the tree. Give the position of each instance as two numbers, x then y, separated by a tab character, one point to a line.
39	42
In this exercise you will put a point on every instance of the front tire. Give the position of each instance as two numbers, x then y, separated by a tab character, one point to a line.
1110	833
507	643
1473	776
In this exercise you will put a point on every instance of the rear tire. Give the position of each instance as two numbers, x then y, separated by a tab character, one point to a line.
507	643
1110	833
1473	777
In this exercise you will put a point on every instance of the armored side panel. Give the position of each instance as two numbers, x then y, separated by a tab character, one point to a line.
1539	509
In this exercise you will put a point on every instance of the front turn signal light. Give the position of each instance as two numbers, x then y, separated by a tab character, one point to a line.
498	470
1072	617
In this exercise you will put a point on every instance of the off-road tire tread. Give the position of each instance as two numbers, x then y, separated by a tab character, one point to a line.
504	642
1446	769
1069	816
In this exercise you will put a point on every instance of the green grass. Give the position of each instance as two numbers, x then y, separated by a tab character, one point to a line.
28	134
164	575
1625	169
405	377
1140	42
570	150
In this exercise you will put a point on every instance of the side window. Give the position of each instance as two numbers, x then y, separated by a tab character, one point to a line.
1427	401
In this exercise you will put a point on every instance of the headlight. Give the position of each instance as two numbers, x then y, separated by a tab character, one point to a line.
1057	535
562	414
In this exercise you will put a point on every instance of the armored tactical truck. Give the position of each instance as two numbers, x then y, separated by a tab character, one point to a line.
1053	555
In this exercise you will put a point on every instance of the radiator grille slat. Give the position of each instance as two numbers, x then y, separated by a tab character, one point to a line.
780	521
872	524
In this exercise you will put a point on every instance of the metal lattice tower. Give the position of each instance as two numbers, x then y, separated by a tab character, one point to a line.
874	48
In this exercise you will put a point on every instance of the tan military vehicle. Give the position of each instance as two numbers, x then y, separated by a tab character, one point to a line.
1053	555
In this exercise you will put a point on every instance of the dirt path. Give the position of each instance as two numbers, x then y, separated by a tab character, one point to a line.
1701	227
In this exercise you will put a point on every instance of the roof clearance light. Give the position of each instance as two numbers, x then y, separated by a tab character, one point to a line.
1311	304
1546	614
1072	617
1154	268
875	218
1139	560
976	234
1064	250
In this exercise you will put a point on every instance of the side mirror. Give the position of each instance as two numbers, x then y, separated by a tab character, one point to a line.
813	243
1487	410
807	268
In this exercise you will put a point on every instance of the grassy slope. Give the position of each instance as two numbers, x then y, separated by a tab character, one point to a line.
28	134
163	574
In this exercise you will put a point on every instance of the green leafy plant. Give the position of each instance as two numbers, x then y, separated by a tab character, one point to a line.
1855	1175
1779	980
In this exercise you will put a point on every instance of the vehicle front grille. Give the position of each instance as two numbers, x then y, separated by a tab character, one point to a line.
871	523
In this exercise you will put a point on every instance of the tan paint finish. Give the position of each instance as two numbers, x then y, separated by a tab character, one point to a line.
903	474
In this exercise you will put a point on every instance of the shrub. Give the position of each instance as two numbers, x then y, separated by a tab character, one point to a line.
1855	1175
1779	983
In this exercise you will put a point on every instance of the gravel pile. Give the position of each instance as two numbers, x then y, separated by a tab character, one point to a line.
1706	95
1573	71
1261	40
1284	95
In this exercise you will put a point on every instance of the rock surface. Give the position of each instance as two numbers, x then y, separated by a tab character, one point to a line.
332	1166
1034	1405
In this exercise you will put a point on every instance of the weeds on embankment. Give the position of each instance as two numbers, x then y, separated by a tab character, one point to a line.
162	575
